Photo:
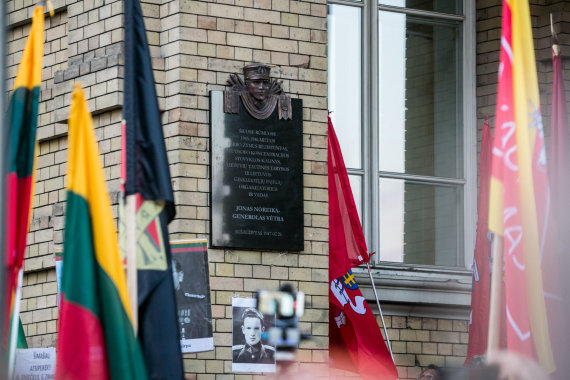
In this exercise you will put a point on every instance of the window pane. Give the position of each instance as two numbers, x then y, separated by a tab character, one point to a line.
356	187
344	52
442	6
419	99
420	223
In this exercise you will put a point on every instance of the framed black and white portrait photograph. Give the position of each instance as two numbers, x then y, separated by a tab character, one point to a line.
192	286
250	351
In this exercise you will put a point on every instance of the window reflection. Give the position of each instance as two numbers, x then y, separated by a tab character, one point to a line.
419	223
419	131
344	57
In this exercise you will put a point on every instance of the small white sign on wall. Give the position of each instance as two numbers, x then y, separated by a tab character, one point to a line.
35	364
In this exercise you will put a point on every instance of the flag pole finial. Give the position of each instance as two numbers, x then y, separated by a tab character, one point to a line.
554	38
48	4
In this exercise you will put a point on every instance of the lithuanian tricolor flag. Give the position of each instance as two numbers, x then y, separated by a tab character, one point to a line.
22	123
96	338
519	201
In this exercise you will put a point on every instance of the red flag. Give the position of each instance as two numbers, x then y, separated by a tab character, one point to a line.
519	201
345	233
557	300
559	160
355	341
480	295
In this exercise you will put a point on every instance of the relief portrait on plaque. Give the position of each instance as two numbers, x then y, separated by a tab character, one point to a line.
256	166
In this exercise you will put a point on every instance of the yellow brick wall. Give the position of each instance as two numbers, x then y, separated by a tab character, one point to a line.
418	342
195	45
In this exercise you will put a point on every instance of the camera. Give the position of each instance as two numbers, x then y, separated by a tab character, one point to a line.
287	306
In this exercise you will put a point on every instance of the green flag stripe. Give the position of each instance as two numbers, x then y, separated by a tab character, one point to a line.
79	282
187	245
21	343
124	355
23	118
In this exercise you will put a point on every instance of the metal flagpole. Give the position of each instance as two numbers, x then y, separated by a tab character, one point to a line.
493	337
3	170
13	339
380	310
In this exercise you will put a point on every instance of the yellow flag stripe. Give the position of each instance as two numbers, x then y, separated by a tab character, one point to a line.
496	205
30	70
527	106
85	178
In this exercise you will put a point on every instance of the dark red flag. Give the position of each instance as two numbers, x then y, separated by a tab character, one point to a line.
346	239
559	160
557	266
355	341
480	295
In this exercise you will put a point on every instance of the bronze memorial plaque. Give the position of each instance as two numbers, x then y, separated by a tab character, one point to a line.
256	164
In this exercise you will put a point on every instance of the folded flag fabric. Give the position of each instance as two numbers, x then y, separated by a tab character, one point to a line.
481	292
146	176
355	341
519	206
22	122
96	338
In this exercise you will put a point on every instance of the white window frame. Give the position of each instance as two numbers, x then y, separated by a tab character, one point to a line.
401	282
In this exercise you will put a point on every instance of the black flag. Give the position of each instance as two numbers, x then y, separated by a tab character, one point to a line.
148	177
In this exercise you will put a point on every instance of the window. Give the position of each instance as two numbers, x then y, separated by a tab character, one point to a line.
402	94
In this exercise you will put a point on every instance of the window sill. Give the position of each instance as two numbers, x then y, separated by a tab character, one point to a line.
418	290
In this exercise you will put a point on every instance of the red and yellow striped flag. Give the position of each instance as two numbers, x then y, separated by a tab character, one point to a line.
519	187
22	123
96	338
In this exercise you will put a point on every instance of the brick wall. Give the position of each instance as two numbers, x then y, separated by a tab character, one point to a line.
417	342
195	45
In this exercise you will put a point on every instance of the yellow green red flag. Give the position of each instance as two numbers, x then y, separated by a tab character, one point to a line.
22	120
96	338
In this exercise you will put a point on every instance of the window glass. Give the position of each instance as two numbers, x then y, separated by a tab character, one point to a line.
420	223
414	149
419	96
344	57
442	6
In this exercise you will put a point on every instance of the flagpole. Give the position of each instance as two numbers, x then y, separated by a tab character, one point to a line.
380	310
493	337
3	171
14	324
131	246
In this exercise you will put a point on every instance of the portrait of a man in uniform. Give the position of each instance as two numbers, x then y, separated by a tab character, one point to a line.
191	285
252	350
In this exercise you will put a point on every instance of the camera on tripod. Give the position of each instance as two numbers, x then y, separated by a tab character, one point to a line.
287	306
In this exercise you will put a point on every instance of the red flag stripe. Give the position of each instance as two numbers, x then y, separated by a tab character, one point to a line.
81	353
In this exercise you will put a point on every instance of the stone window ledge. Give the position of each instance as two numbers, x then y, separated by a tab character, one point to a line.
418	290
